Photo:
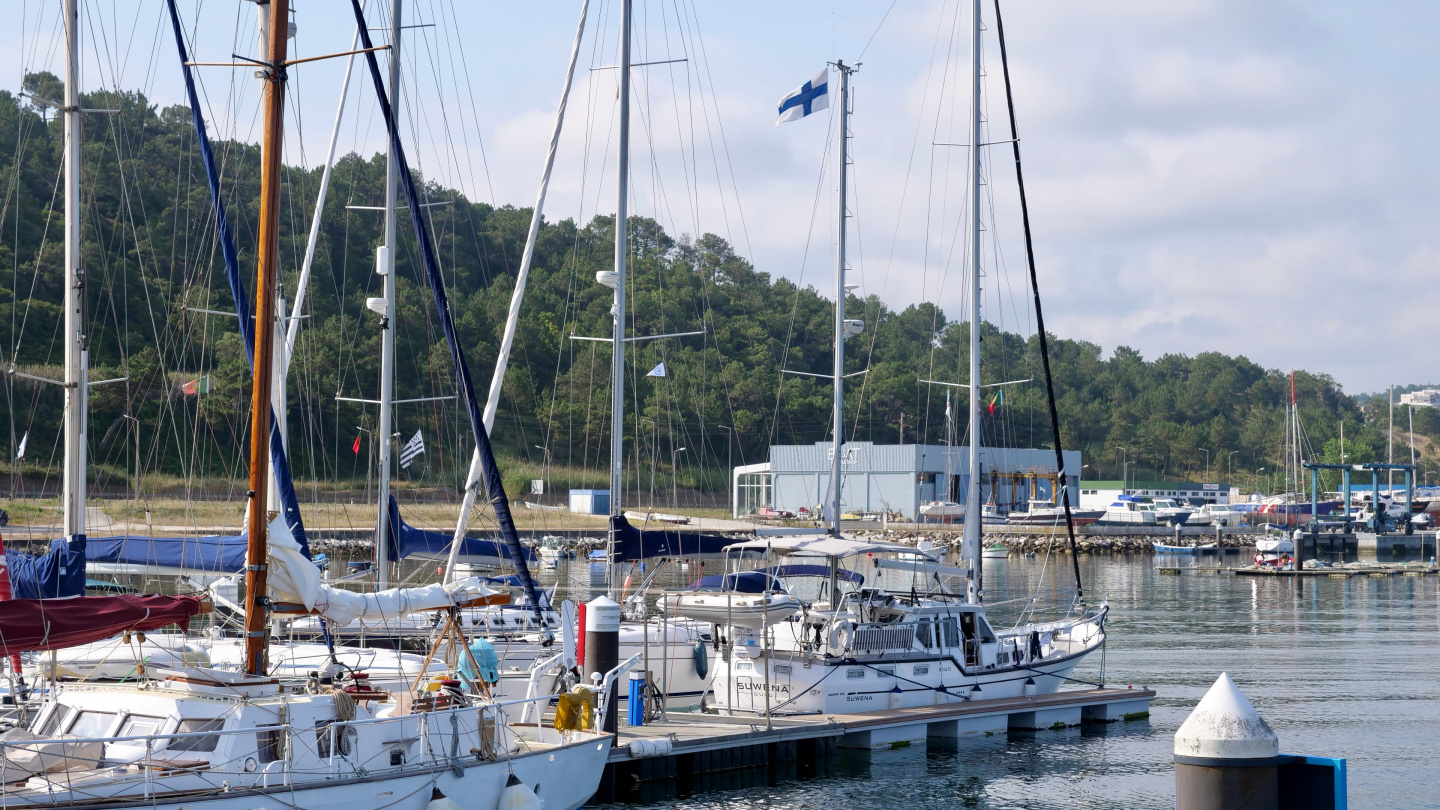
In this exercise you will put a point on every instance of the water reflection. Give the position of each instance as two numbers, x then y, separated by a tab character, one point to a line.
1338	667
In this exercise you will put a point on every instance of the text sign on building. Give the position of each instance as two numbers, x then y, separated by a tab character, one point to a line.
848	457
1210	486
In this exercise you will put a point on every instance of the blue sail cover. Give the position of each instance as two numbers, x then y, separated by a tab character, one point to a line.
201	555
633	544
54	575
408	541
289	503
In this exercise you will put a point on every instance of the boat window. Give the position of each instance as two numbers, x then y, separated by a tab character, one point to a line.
782	669
925	633
91	724
854	674
195	726
886	671
950	630
986	634
139	725
269	744
52	723
922	669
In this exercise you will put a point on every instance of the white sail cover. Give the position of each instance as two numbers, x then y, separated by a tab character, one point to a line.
293	578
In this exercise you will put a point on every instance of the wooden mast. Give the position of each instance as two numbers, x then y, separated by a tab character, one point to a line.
266	270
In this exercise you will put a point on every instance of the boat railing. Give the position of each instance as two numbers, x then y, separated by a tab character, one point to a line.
331	744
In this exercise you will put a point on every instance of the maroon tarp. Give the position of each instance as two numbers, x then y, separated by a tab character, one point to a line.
53	624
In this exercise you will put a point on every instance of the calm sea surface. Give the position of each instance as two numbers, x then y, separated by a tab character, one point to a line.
1339	667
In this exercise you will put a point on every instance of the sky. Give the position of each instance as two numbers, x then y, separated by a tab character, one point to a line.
1253	177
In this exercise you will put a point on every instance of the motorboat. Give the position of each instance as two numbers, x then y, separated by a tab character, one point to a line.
1047	513
1128	510
552	550
1275	544
1163	548
1214	514
1171	511
869	648
995	552
750	599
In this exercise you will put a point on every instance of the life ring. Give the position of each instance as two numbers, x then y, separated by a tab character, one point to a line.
841	635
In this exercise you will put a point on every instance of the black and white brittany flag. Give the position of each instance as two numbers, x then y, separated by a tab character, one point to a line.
813	96
412	448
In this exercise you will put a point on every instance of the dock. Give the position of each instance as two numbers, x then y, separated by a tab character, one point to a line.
689	753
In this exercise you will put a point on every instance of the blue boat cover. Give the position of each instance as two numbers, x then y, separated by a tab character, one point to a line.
633	544
54	575
743	582
209	555
407	541
845	574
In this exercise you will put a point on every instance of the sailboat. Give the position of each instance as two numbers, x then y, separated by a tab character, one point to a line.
202	738
867	642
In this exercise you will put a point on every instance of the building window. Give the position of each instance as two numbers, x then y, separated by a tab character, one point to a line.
753	491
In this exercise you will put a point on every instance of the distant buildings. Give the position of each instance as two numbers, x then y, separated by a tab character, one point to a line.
1428	397
1100	494
896	479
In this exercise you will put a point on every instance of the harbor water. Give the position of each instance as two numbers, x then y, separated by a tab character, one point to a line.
1338	666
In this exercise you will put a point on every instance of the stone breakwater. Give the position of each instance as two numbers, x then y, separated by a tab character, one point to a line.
1059	542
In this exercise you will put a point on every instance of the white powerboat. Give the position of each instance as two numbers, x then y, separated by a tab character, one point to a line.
1128	510
877	650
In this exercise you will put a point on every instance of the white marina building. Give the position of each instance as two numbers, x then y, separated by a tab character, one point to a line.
896	478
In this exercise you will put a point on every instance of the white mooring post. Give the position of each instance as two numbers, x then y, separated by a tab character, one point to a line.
1228	758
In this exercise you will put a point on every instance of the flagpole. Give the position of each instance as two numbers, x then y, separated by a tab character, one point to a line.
838	404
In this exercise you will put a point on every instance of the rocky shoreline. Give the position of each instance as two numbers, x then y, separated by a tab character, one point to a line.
1084	543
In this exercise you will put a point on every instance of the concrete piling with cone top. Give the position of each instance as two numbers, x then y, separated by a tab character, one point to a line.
1228	758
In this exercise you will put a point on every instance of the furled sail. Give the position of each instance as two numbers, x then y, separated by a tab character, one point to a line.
489	469
295	580
289	503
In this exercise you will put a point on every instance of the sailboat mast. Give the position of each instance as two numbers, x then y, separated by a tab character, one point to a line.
973	517
838	417
617	374
266	271
517	296
385	266
76	349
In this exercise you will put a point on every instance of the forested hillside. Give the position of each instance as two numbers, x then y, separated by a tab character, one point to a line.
152	262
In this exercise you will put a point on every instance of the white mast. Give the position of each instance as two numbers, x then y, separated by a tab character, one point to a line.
617	382
77	375
973	518
497	379
839	396
385	266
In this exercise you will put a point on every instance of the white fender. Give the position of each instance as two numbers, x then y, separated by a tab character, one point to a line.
516	796
439	801
841	634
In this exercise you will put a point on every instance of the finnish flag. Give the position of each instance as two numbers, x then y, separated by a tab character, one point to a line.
813	96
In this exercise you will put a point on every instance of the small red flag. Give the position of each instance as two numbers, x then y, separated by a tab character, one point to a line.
355	448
